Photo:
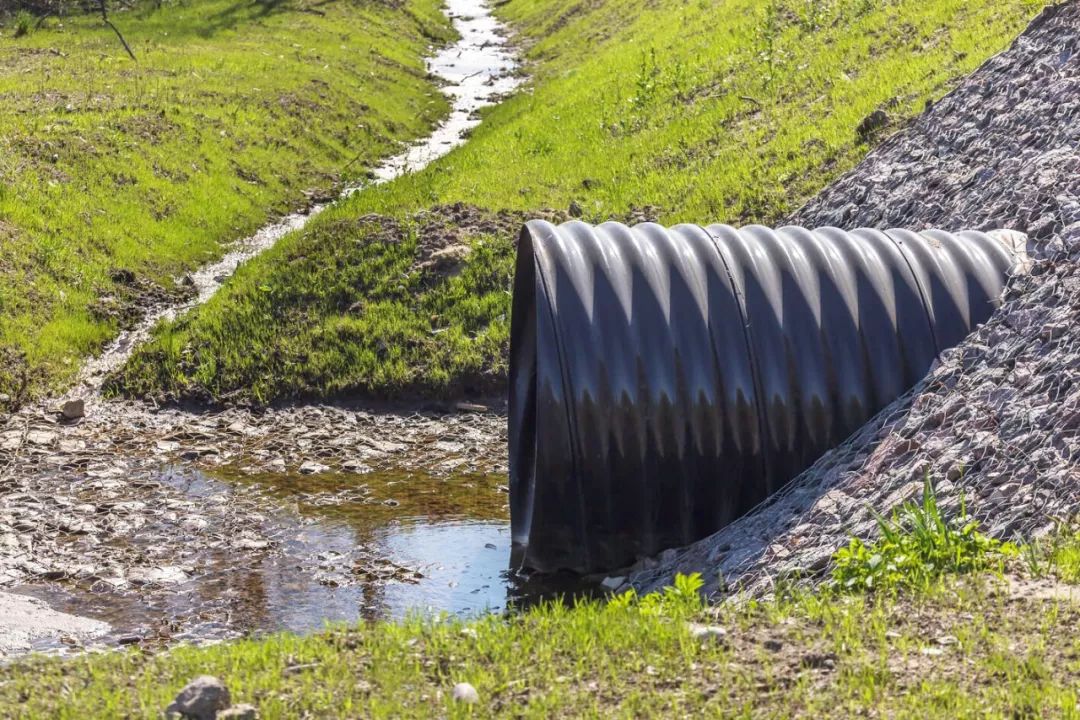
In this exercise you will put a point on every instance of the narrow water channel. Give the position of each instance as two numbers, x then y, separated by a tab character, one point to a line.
311	549
476	72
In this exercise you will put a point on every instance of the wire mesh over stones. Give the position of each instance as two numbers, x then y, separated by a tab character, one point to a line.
664	381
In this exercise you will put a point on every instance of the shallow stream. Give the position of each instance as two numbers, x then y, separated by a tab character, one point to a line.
105	519
334	548
476	72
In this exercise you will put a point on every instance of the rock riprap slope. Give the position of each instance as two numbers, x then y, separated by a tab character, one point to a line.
997	423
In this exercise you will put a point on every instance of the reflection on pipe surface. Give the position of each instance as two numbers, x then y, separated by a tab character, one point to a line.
663	381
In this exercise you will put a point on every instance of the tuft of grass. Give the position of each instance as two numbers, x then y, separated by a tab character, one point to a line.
733	110
680	600
1066	559
1057	555
918	546
23	24
117	177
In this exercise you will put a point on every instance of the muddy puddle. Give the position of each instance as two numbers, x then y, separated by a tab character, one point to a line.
388	543
327	548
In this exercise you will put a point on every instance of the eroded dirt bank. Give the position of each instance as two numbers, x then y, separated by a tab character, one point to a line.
998	422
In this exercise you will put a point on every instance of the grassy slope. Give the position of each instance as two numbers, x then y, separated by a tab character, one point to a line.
232	112
924	645
364	317
731	110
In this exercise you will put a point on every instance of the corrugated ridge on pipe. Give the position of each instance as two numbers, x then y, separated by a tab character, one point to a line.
663	381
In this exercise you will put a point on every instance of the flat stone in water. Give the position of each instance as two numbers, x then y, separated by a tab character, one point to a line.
159	575
27	623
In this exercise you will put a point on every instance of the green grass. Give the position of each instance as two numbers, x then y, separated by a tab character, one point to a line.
730	110
968	644
918	545
372	319
234	111
733	110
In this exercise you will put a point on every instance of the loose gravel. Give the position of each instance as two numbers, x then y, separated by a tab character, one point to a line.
77	494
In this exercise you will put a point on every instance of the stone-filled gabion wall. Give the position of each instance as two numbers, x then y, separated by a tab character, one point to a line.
999	420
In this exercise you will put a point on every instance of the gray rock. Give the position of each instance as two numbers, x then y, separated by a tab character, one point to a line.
239	712
41	437
465	693
310	467
161	575
73	409
201	699
355	466
707	633
613	583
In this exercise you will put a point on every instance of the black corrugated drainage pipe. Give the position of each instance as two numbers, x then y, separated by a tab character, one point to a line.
663	381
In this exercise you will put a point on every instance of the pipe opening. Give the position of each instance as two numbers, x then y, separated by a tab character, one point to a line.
522	383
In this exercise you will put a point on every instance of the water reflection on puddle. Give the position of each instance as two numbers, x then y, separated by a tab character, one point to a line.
343	548
464	566
461	574
382	545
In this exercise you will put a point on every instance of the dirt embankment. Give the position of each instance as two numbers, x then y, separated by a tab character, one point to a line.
998	422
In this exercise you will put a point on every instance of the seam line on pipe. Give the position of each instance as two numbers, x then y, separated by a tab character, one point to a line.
755	375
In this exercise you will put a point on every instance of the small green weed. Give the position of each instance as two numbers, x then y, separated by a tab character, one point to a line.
1034	558
1055	555
918	545
24	24
682	599
648	81
1064	556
